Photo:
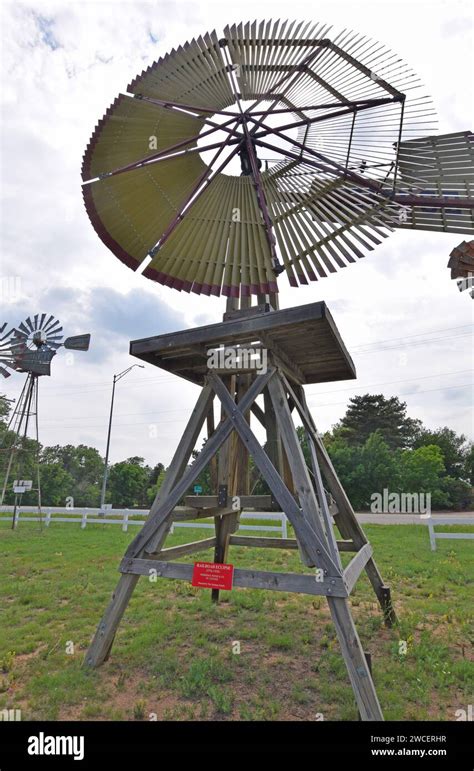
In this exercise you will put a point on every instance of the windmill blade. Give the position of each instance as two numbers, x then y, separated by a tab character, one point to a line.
29	324
78	342
52	326
41	322
36	321
24	329
326	148
55	334
4	372
45	326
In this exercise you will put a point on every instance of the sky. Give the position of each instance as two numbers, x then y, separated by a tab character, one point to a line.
407	327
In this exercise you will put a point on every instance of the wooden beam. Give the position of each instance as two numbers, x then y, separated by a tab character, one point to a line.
164	507
345	519
354	658
356	566
214	511
279	543
187	548
178	464
246	501
229	330
307	537
250	579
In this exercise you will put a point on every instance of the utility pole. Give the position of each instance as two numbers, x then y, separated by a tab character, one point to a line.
104	481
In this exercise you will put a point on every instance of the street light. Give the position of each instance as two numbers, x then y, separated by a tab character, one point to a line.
104	482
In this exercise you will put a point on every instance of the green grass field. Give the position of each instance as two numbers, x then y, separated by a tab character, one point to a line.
174	657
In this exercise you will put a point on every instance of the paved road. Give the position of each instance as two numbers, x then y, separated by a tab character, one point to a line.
407	519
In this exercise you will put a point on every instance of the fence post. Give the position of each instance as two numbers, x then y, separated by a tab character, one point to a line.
432	534
48	518
284	526
125	522
84	520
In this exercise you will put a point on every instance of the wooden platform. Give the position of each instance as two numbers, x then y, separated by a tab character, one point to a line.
307	336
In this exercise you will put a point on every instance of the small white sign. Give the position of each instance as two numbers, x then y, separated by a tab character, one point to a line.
22	485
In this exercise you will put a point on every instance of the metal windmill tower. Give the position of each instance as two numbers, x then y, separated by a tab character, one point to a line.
28	348
357	157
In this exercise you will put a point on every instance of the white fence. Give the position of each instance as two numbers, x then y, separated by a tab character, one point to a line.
125	517
432	523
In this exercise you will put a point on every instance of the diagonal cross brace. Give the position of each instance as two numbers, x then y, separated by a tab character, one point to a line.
211	447
307	537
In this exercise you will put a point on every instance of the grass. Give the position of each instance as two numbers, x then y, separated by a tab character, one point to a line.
174	655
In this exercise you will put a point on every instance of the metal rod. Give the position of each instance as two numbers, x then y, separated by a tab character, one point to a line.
169	150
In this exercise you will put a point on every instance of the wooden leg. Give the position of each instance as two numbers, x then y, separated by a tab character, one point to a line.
346	520
100	646
224	477
356	662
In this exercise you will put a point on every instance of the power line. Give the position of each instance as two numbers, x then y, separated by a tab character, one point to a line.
389	382
419	334
158	379
415	393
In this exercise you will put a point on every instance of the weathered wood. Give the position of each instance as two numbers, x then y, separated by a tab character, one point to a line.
307	537
281	357
179	462
213	464
294	453
212	511
352	651
246	501
356	566
304	338
165	506
225	479
187	548
251	579
102	642
345	519
259	414
245	313
279	543
319	487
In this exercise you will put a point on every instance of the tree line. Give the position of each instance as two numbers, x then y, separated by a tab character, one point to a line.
375	446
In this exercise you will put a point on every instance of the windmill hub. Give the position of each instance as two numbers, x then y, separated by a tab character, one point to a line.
39	338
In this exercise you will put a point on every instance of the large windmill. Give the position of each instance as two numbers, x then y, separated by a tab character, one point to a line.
335	146
28	348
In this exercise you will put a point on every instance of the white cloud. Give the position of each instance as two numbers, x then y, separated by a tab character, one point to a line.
62	65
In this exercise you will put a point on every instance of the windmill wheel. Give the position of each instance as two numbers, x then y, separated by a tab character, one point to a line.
41	332
272	148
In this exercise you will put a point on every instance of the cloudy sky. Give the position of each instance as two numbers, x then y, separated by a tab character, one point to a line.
406	325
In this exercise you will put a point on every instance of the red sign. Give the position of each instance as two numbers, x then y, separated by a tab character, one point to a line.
212	575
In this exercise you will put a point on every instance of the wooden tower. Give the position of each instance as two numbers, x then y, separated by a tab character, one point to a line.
299	346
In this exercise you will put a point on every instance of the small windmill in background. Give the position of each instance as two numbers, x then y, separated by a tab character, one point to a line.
461	262
29	348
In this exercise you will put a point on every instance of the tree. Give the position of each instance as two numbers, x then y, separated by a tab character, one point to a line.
127	486
5	408
468	471
85	466
57	485
421	471
453	446
369	413
364	470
